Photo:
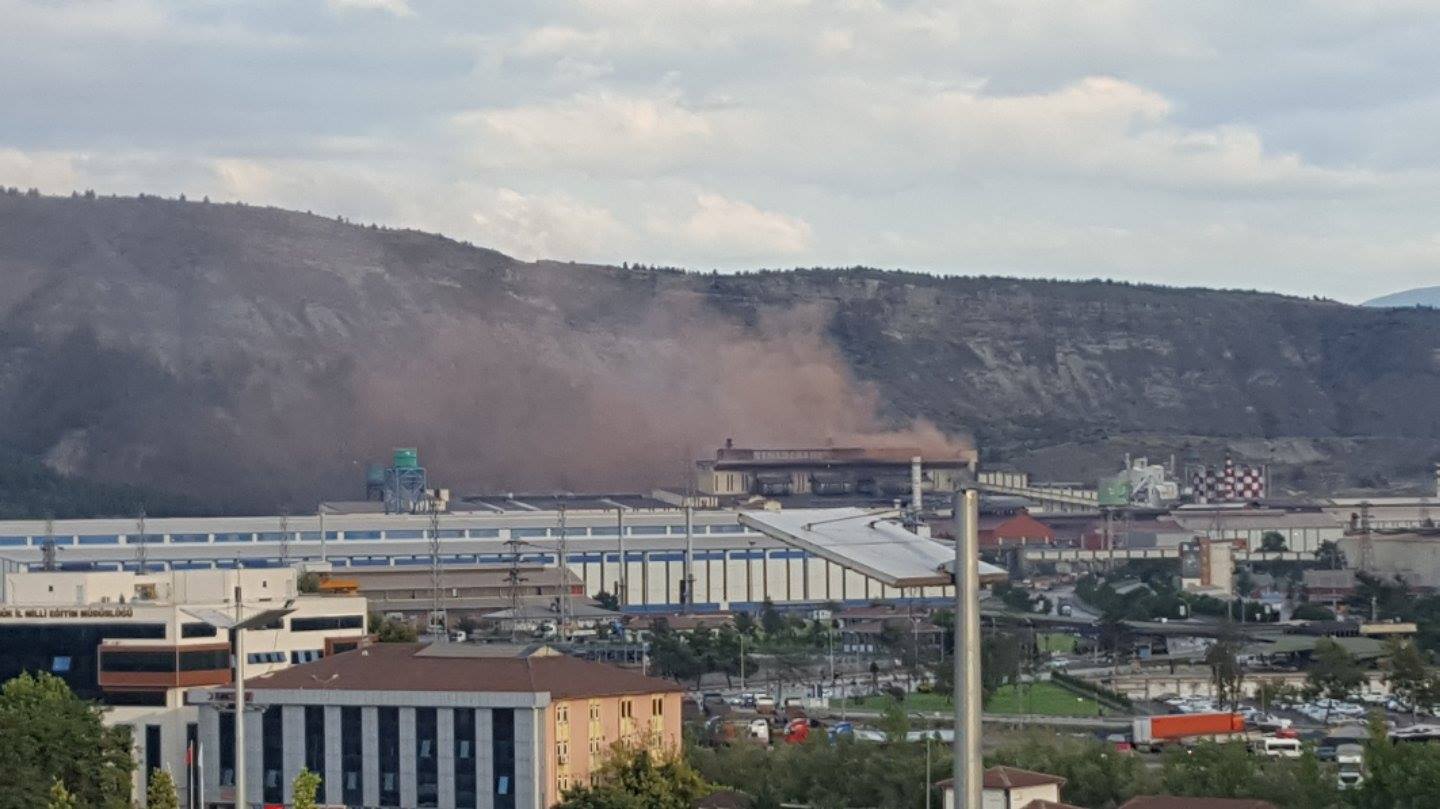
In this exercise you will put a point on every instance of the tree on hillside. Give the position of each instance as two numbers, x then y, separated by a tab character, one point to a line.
634	778
47	734
160	791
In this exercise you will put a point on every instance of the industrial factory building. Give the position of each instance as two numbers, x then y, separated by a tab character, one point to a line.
733	567
452	726
136	644
877	473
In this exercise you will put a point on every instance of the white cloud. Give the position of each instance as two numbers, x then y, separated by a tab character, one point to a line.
732	229
547	226
601	131
1234	143
399	8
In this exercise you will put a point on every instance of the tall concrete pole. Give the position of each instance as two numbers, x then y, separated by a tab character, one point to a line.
967	772
239	704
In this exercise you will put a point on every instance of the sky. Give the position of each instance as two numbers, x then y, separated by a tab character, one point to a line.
1285	146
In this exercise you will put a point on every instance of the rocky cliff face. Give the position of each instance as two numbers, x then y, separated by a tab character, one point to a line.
258	357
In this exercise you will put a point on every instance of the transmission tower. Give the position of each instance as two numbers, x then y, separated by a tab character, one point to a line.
563	601
512	580
284	539
48	552
437	605
142	541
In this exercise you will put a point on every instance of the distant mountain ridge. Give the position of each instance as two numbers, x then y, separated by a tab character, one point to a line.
252	358
1423	296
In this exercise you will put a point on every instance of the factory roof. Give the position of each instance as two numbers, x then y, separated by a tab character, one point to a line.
461	667
733	457
374	581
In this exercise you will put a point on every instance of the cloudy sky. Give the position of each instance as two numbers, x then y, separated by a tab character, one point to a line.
1275	145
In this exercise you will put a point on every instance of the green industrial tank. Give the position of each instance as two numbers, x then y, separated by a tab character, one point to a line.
407	458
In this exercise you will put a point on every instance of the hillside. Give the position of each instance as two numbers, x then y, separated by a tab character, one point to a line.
1423	296
248	358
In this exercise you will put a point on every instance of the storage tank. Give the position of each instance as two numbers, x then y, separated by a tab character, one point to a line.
406	458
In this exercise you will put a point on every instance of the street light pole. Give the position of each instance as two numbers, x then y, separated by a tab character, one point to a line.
966	770
240	703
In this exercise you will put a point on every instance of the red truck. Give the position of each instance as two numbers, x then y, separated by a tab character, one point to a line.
1155	731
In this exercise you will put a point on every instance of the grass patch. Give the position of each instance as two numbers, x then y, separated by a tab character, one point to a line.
1046	699
925	703
1056	642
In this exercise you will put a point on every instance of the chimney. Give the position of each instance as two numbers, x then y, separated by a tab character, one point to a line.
1437	480
729	443
916	495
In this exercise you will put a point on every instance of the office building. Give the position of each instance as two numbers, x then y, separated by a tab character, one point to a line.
451	726
131	642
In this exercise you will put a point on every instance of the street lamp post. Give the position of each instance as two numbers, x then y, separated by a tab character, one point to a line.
239	624
966	770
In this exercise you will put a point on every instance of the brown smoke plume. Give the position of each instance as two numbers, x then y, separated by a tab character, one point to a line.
626	407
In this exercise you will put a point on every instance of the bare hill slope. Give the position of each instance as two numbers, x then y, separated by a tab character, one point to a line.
256	357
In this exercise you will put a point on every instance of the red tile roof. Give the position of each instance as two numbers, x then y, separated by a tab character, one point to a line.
399	667
1002	777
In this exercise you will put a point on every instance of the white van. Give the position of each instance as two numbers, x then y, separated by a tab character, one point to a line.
1279	747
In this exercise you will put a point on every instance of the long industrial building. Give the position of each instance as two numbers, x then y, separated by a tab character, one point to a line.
733	567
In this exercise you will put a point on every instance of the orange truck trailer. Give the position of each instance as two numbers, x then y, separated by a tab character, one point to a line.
1159	730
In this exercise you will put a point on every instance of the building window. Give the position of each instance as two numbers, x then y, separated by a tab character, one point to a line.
227	748
427	758
272	755
315	745
389	756
153	758
306	656
60	664
502	746
195	629
562	754
627	709
352	757
465	797
657	706
265	657
327	622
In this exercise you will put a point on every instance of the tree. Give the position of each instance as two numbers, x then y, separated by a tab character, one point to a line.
1272	542
305	788
47	734
1226	673
1329	555
745	624
1398	776
1334	672
607	601
160	791
391	630
771	621
1312	612
633	778
308	582
60	797
1405	671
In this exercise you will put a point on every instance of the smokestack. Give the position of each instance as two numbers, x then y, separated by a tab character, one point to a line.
1437	480
916	495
